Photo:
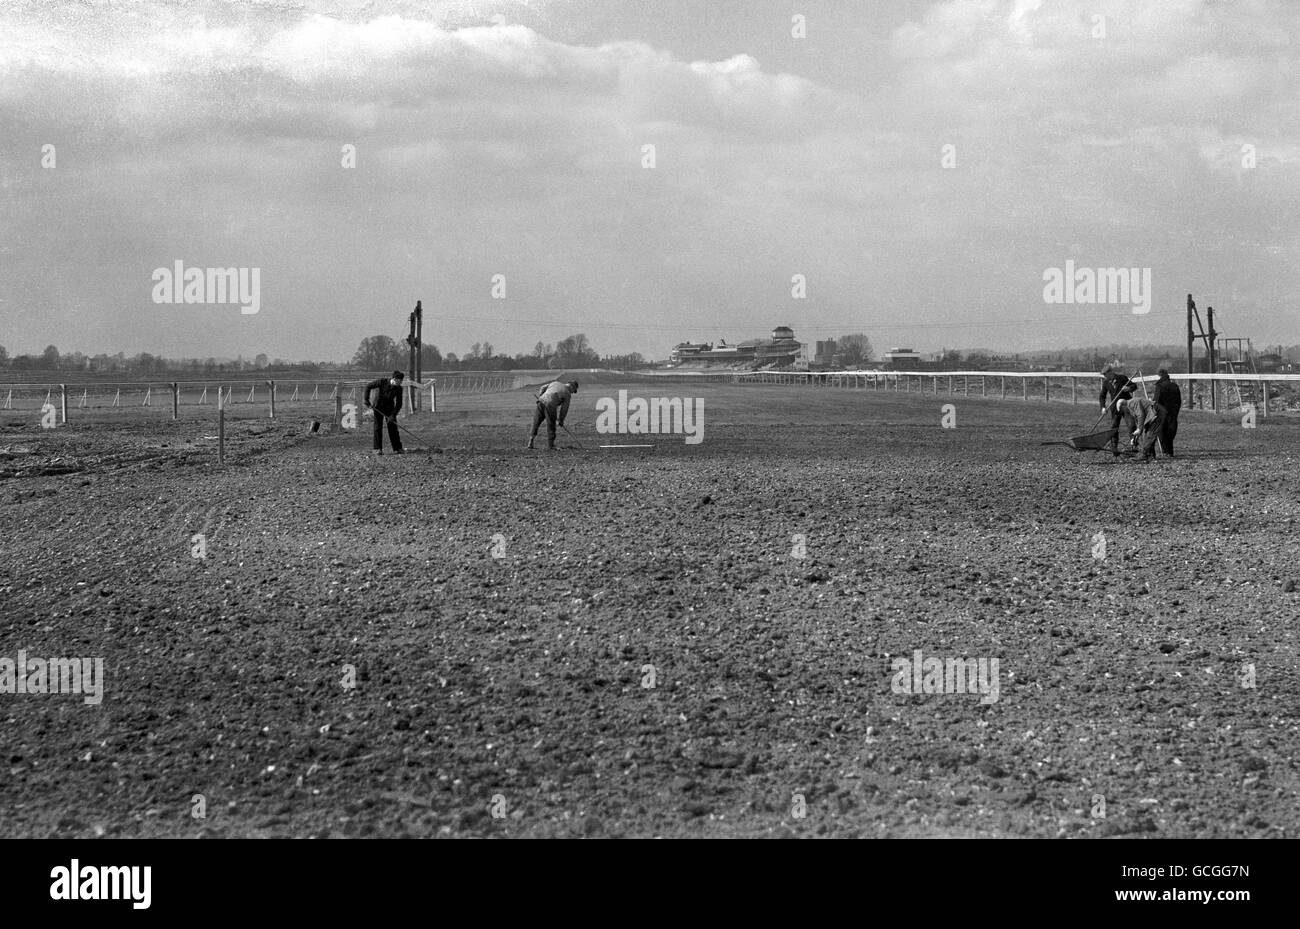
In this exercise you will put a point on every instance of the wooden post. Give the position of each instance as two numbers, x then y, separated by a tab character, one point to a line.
221	428
984	386
1024	387
950	385
1004	387
433	396
271	384
1047	389
1264	388
1213	352
176	400
338	406
1074	390
63	401
965	385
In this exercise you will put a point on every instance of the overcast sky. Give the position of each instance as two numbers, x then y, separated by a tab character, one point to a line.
212	133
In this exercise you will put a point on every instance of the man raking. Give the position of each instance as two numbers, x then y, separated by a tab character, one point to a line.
388	403
552	406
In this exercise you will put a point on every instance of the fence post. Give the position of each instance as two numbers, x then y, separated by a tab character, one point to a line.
338	406
272	384
221	428
433	396
1264	386
1047	389
1004	387
1074	390
176	400
1024	387
984	386
63	401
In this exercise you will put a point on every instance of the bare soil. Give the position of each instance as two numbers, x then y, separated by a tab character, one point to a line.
505	613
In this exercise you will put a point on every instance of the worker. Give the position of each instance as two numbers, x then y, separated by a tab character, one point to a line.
1146	419
1114	388
1168	396
388	403
552	405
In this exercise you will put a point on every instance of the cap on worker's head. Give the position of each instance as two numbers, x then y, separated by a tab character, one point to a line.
399	376
573	386
1164	373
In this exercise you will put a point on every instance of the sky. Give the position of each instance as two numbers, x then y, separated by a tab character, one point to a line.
911	170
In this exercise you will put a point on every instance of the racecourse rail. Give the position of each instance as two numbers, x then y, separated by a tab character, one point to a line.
1202	390
236	392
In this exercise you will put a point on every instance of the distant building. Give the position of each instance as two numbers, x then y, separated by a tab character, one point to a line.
688	351
824	353
902	358
780	350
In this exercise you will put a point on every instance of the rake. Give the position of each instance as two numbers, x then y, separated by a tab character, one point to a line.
416	436
572	436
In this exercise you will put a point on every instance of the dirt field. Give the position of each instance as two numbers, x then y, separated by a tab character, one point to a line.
506	611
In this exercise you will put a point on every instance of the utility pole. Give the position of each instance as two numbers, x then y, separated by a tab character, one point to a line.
416	320
1214	358
1191	385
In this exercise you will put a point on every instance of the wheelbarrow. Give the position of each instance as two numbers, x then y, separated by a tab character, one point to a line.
1093	441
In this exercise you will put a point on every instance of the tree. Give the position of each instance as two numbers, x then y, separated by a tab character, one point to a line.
855	348
50	357
376	353
4	357
260	361
430	358
624	362
574	352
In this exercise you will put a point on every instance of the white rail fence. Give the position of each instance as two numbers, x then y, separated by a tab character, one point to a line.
165	396
1200	391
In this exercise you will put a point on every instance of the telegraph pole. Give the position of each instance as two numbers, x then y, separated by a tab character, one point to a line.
416	320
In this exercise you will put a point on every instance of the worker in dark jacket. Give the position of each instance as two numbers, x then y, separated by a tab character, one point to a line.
552	406
1114	388
1168	396
388	403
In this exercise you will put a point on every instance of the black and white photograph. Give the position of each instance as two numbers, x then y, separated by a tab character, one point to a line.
597	419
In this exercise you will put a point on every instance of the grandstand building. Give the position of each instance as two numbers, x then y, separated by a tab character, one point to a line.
780	350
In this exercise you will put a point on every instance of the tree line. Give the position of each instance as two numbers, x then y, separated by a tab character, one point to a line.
376	353
52	360
379	352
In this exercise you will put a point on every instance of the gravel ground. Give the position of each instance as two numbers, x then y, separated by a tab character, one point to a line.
684	641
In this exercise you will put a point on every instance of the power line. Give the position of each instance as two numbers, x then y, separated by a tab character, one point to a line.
845	327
